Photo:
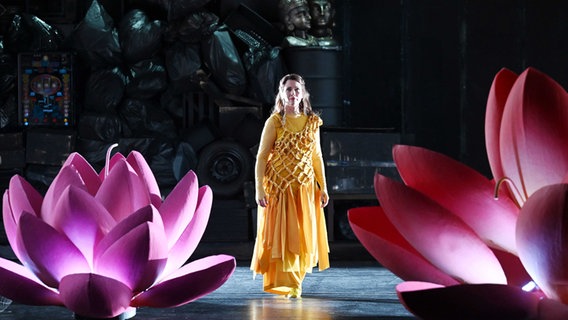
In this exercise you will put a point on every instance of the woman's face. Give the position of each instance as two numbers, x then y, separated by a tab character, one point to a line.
292	93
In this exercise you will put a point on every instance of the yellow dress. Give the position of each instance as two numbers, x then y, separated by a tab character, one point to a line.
291	231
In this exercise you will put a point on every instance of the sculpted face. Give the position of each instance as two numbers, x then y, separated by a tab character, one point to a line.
320	10
300	18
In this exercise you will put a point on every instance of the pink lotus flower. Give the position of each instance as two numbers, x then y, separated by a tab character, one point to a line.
462	253
104	244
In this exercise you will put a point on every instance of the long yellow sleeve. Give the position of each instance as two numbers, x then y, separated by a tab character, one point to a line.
319	167
266	144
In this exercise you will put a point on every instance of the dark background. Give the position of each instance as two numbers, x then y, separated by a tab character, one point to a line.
425	67
421	67
420	70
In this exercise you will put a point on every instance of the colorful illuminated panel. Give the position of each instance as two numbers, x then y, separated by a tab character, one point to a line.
45	89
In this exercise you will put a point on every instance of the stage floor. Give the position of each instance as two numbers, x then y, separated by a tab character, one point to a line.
348	290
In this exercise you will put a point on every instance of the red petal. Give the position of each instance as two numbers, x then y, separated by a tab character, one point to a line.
534	132
437	234
479	301
516	273
461	190
194	280
549	309
94	296
542	241
388	246
498	94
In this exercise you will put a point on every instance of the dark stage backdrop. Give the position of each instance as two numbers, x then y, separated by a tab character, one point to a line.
423	68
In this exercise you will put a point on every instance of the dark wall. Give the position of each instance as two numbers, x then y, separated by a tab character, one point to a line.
425	67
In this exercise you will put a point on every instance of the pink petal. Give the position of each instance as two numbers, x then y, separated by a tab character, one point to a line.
194	280
82	219
139	164
392	251
88	174
67	176
116	158
23	197
146	214
437	234
50	255
137	258
542	242
10	226
179	207
19	198
462	191
21	285
189	239
479	301
94	296
498	94
122	191
534	132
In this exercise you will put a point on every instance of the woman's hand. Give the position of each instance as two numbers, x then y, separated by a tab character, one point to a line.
324	199
263	202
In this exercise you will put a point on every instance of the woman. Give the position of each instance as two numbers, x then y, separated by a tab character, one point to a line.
291	193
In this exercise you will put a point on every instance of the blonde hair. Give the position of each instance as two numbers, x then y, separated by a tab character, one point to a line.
305	104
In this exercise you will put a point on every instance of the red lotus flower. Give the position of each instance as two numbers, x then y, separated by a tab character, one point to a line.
462	253
103	244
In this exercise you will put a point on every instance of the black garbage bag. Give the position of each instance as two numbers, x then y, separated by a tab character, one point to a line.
160	123
147	79
172	102
100	126
140	38
9	112
161	163
94	151
221	57
185	159
173	9
134	113
105	89
180	8
192	28
29	33
158	153
182	62
41	176
264	68
7	72
96	39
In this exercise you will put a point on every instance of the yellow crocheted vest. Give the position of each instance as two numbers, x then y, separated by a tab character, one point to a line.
291	158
